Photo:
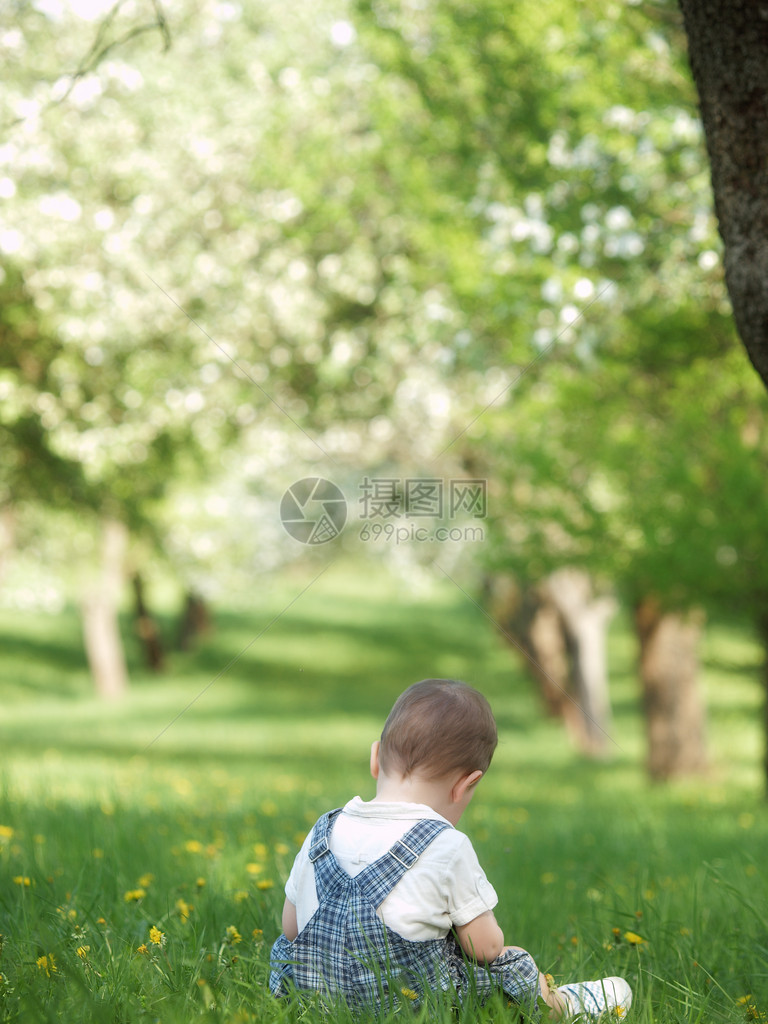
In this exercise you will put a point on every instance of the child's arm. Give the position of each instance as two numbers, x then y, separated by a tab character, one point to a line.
481	939
290	924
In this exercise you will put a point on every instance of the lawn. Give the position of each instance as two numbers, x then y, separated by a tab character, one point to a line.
143	846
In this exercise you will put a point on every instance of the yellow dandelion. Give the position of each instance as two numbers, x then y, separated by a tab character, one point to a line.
200	883
101	920
264	884
282	848
83	951
193	846
261	851
97	853
46	963
409	993
257	933
145	881
634	939
233	935
156	937
23	880
254	869
142	948
241	896
134	895
6	832
184	909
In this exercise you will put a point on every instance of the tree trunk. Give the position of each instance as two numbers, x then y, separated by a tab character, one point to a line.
561	631
146	628
728	48
762	628
101	634
7	537
586	619
669	668
195	620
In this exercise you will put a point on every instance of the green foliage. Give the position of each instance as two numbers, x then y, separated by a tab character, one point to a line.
120	827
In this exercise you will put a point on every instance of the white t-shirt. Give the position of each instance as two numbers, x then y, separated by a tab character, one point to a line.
446	886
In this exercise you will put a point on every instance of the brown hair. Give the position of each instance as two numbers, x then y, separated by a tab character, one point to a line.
437	727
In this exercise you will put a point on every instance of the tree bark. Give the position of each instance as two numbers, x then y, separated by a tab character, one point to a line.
762	628
586	617
146	628
560	628
195	620
669	669
7	537
728	53
101	633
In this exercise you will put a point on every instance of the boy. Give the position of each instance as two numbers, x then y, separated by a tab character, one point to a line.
386	900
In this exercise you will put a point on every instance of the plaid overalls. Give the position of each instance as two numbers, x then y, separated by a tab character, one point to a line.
346	951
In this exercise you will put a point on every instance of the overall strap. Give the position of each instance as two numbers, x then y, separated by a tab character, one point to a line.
320	834
328	874
379	879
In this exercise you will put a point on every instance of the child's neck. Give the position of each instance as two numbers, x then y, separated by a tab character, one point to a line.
413	789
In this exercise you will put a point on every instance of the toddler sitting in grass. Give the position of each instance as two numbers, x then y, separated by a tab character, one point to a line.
387	902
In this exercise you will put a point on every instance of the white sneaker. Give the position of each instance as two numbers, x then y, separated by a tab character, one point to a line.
591	999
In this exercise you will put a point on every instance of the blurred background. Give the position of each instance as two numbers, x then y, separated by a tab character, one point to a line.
457	260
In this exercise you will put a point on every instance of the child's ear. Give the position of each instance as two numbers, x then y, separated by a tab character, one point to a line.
375	758
464	783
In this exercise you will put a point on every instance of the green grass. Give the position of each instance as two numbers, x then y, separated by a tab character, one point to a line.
95	799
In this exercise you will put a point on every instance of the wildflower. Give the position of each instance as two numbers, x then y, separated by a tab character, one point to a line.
409	993
156	937
200	883
145	881
23	880
193	846
101	920
233	935
257	933
264	884
634	939
241	895
282	849
260	849
142	948
46	963
184	909
97	853
6	832
254	869
134	895
83	951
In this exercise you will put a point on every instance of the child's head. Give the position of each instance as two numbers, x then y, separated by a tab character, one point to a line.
438	727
